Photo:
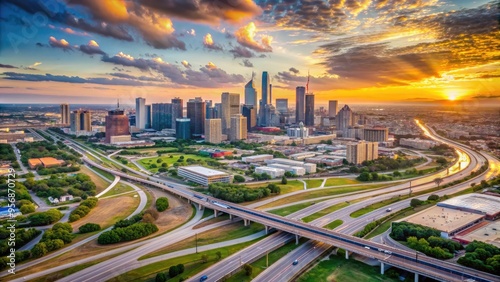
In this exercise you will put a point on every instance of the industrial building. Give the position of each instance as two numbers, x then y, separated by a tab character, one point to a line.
417	143
203	175
310	168
257	158
302	156
272	171
297	170
487	205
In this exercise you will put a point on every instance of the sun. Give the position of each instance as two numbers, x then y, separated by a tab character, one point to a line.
452	95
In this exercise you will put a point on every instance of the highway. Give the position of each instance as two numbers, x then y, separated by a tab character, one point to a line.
431	267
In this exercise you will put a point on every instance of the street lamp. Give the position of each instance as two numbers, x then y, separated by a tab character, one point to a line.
196	241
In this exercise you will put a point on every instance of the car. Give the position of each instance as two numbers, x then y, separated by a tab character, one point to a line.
368	248
295	262
388	252
388	210
203	278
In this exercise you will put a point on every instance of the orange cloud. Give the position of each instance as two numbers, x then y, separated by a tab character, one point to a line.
246	37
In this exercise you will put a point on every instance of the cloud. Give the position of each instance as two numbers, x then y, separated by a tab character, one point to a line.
209	43
186	64
241	52
141	78
7	66
246	37
75	79
212	12
127	60
247	63
63	44
191	32
294	70
486	97
92	48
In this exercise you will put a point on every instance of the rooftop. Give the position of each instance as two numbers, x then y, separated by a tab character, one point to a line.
488	233
443	219
203	170
480	203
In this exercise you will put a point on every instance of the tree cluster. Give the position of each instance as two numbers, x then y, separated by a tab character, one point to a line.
79	185
47	149
23	236
44	218
237	193
433	246
7	152
373	176
53	239
129	233
161	204
482	256
89	227
403	230
83	209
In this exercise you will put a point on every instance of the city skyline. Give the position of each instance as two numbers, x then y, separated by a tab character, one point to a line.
355	51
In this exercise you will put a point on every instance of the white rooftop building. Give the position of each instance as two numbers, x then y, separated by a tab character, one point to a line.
203	175
272	171
257	158
310	168
297	170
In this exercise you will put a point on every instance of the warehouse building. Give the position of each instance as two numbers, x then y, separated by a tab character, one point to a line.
477	203
310	168
272	171
297	170
203	175
257	158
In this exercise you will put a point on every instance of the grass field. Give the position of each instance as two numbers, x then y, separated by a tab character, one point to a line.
105	173
324	212
118	189
193	264
313	183
339	269
220	234
260	264
375	206
100	183
290	209
340	181
147	162
334	224
291	186
312	194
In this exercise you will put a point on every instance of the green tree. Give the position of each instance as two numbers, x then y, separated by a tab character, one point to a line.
218	255
238	178
438	181
172	271
161	277
39	250
248	269
284	181
161	204
204	258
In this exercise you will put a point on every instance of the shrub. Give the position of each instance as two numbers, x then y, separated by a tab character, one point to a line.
161	204
89	227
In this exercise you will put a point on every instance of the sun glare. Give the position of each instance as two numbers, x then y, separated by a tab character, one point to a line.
452	95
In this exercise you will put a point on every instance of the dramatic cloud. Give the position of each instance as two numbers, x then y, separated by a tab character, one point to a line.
247	63
211	66
186	64
246	37
294	70
63	44
92	48
241	52
75	79
7	66
209	43
141	78
127	60
205	11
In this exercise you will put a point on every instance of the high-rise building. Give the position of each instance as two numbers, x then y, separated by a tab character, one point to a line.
238	129
65	114
251	94
344	118
282	106
218	110
196	113
117	127
209	109
250	113
80	120
148	116
183	128
265	88
298	132
309	114
162	116
332	108
177	110
362	151
140	113
377	134
230	106
213	130
300	102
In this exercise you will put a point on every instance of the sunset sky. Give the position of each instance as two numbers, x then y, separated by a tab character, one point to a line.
95	51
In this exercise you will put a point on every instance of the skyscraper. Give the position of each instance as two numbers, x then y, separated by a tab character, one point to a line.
250	113
148	116
344	118
140	113
196	113
162	116
177	110
282	106
265	88
309	114
117	127
230	107
183	128
218	110
238	128
300	101
332	108
213	130
209	109
80	120
251	94
64	114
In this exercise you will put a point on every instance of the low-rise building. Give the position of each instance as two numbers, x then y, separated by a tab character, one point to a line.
272	171
203	175
302	156
417	143
45	162
257	158
297	170
310	168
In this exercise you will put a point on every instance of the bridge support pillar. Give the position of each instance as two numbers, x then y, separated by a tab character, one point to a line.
296	239
346	254
267	229
230	216
416	277
246	222
216	213
200	207
189	201
383	267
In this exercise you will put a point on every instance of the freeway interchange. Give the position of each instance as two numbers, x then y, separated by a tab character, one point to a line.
324	238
